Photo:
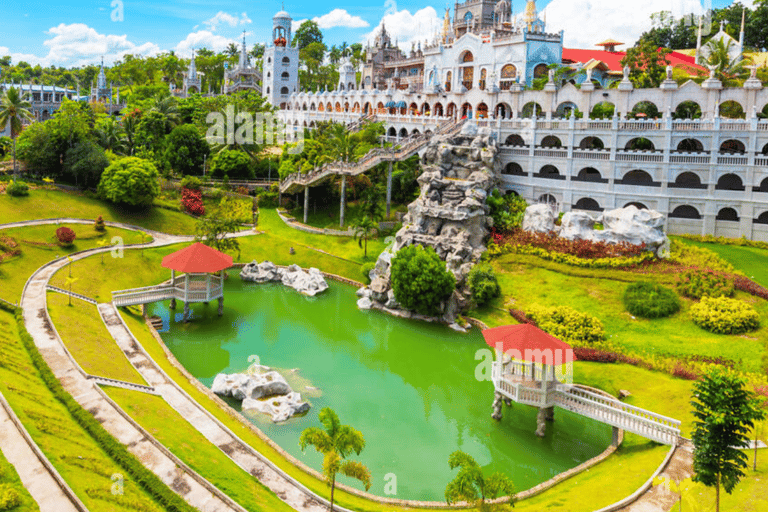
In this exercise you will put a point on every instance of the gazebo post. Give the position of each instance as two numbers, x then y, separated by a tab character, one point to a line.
186	311
173	286
221	299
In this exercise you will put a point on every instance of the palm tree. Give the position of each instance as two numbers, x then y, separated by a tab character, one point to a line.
232	50
334	55
336	442
130	124
342	142
471	486
14	110
110	134
727	69
167	105
364	230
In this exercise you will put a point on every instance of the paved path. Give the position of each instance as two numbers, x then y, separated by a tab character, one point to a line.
42	481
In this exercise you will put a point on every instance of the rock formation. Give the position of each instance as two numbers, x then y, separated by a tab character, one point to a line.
309	283
266	392
449	215
629	225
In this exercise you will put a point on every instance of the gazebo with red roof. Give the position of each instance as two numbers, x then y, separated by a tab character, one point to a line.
524	369
203	275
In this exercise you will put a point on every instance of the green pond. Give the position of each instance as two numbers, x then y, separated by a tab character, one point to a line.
408	386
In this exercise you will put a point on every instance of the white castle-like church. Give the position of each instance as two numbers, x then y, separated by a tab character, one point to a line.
706	172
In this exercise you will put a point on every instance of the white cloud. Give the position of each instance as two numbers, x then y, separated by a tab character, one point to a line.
340	18
406	27
587	22
78	44
203	38
223	18
295	24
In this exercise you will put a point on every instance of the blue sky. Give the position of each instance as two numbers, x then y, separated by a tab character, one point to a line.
76	32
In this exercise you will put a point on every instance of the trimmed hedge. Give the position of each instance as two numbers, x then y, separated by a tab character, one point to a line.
147	480
696	284
483	284
722	315
650	300
569	259
567	324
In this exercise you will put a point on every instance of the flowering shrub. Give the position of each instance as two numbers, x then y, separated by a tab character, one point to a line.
99	225
692	256
696	284
650	300
568	259
192	201
749	286
722	315
580	248
65	236
567	324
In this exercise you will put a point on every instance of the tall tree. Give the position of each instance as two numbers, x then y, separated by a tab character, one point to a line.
307	33
647	63
14	111
471	486
365	229
336	442
724	411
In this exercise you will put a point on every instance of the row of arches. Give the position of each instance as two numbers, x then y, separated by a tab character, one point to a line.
680	212
637	177
690	145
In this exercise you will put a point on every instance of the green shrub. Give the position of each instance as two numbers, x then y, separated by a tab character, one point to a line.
366	269
692	256
567	324
99	225
240	210
696	284
17	189
9	497
191	182
420	280
483	284
650	300
722	315
130	180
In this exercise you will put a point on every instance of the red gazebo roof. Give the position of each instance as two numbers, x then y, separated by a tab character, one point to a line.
524	338
197	258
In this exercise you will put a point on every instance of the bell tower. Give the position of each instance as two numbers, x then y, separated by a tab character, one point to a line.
280	78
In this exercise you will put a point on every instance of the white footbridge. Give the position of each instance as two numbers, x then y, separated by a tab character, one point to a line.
528	384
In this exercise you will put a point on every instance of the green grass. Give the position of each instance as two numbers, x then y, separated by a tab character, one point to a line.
184	441
88	340
76	456
523	284
38	247
47	204
327	217
751	261
9	477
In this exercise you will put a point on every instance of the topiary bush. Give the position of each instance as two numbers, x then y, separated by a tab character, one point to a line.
130	181
366	270
9	497
192	201
722	315
17	189
99	225
567	324
696	284
483	284
420	280
65	236
650	300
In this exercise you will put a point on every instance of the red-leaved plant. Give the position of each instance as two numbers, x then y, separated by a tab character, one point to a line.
192	201
65	236
579	248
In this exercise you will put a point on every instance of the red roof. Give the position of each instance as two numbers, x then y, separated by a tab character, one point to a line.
527	341
197	258
613	59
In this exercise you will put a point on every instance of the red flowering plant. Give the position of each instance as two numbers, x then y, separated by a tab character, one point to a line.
65	236
192	201
579	248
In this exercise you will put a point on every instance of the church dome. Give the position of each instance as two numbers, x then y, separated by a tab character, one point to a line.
282	14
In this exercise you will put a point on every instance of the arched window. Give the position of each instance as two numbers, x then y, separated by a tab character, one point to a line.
286	60
733	147
481	84
550	172
589	174
640	144
513	169
514	140
508	75
762	218
687	180
729	182
550	141
727	214
639	206
468	57
540	71
690	146
638	177
587	203
685	212
284	90
285	75
591	143
448	77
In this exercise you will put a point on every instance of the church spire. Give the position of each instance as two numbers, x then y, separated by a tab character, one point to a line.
243	55
741	34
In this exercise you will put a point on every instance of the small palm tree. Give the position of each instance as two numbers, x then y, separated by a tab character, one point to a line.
364	231
471	486
167	105
336	441
14	110
110	134
727	69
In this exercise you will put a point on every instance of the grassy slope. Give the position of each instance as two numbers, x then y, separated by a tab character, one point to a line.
76	456
88	340
181	438
751	261
9	477
15	271
48	204
525	284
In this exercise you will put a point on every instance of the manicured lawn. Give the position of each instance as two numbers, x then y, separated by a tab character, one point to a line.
524	284
88	340
10	479
38	247
75	455
48	204
327	217
751	261
181	438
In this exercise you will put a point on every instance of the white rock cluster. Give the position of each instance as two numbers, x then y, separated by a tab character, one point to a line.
267	392
630	225
309	283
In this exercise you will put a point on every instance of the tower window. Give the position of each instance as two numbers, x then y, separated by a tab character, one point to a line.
286	60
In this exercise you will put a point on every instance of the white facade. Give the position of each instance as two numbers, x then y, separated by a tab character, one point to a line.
281	63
